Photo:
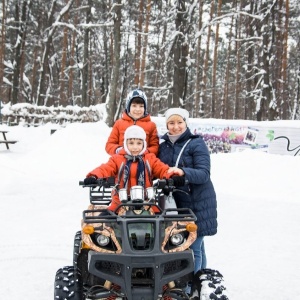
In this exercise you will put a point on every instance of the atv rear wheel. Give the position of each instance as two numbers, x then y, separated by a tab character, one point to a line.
68	284
209	285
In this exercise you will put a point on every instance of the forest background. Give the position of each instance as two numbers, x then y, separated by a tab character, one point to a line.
225	59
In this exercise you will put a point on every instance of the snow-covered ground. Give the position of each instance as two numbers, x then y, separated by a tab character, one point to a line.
41	203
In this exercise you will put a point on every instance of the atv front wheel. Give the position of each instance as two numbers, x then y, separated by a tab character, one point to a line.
77	247
209	285
68	284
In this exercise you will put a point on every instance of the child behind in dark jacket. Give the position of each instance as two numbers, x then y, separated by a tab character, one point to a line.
133	165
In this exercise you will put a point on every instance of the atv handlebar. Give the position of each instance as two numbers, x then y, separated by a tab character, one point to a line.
162	183
110	182
106	182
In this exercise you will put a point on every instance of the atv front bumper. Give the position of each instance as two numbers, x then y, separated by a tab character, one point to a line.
142	276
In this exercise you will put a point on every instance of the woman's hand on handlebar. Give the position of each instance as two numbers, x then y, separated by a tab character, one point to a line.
178	180
176	171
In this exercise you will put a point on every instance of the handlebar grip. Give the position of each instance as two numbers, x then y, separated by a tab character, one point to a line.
99	182
160	183
107	182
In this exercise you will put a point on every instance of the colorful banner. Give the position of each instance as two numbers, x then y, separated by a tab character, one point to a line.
225	136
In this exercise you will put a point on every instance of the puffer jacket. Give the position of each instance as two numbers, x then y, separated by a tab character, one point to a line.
116	137
153	168
199	195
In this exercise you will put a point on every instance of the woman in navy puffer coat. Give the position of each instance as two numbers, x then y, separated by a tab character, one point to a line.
199	195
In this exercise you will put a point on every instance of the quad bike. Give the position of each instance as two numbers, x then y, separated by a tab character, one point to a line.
138	252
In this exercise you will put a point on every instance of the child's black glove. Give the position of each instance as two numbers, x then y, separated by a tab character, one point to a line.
178	180
90	180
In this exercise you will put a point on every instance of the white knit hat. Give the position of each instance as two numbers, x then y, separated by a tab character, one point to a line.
178	111
135	132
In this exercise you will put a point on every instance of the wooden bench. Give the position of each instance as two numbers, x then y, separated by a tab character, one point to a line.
5	141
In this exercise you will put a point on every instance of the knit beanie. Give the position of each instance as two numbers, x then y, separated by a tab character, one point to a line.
178	111
135	94
135	132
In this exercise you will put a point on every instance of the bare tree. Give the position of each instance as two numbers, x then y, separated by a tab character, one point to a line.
2	48
249	76
111	103
41	88
199	60
180	50
284	71
86	60
266	96
206	64
238	35
138	44
240	62
21	19
145	44
225	105
214	69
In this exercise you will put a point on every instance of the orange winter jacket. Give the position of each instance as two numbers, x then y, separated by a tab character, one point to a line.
117	162
116	137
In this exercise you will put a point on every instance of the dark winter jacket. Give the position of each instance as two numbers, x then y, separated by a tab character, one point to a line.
199	195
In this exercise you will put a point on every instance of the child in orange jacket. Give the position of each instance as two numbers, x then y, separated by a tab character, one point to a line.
135	114
133	165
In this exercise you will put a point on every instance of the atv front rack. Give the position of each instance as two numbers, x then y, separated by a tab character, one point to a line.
100	195
172	214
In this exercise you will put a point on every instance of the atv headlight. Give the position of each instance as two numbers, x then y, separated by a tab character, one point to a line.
177	239
102	240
